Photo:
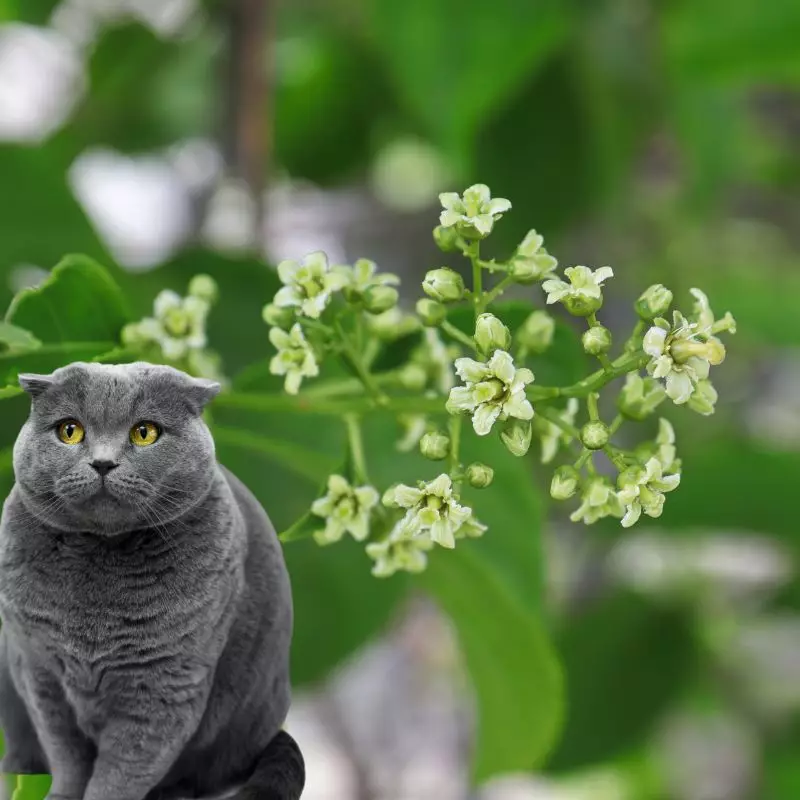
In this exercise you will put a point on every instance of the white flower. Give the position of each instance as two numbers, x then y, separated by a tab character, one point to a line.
474	212
398	553
433	512
493	390
531	261
583	294
364	273
346	509
679	356
641	489
309	285
551	435
414	427
295	358
598	500
704	317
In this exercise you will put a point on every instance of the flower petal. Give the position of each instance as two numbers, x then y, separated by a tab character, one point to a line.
679	387
470	370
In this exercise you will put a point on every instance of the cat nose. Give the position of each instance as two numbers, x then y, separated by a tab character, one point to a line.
103	466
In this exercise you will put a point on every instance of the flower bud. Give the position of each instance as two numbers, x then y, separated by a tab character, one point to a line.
580	305
430	312
595	435
654	302
204	287
278	316
491	334
566	480
516	436
444	285
434	445
413	377
380	298
640	397
446	239
536	333
596	340
703	398
479	475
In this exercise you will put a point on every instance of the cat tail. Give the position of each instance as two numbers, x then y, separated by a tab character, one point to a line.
280	773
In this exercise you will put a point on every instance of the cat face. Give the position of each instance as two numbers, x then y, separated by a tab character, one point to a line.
111	448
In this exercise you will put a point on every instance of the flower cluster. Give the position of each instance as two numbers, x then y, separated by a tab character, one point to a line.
176	332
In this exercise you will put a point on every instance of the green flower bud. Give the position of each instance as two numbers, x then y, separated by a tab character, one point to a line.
536	333
654	302
580	305
278	316
435	446
596	340
640	397
516	436
133	336
595	435
379	298
479	475
444	285
491	334
204	287
413	377
447	239
430	312
703	398
565	483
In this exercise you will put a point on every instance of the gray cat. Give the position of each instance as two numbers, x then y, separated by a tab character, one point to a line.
146	607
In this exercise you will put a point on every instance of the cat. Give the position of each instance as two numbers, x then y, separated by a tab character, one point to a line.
145	603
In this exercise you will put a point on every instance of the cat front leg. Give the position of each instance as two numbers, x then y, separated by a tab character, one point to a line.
136	750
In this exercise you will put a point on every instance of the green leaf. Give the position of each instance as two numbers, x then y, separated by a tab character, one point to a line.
475	55
625	661
511	662
14	339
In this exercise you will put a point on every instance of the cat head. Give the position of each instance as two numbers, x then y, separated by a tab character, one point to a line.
111	448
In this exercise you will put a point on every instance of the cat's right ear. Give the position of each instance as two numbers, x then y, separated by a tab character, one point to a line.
33	384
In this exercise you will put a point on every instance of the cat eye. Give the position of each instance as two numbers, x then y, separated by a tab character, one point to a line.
70	431
144	433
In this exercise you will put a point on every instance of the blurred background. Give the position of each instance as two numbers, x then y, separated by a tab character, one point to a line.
170	137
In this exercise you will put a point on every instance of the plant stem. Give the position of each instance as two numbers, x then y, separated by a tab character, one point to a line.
354	357
591	405
455	441
551	415
620	366
615	424
460	336
356	443
497	290
477	278
633	341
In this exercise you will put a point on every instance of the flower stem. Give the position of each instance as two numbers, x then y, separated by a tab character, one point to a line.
455	441
615	424
460	336
498	289
591	405
633	341
620	366
474	253
551	415
354	358
356	443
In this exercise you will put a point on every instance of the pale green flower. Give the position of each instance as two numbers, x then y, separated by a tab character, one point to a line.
398	553
679	357
642	488
583	294
666	452
551	435
707	325
474	213
640	396
493	390
295	358
531	262
598	500
346	509
309	285
364	274
432	512
414	427
704	397
392	324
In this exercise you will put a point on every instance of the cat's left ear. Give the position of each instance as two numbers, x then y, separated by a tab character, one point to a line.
33	384
202	391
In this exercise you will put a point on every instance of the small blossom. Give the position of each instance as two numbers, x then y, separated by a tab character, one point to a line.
707	325
435	445
379	299
598	500
516	436
493	390
309	285
640	396
491	334
551	435
432	511
431	312
414	427
443	284
704	397
582	295
392	324
295	358
204	287
566	480
473	215
479	476
679	357
531	261
654	302
346	509
597	340
364	273
665	442
595	435
398	553
641	489
536	333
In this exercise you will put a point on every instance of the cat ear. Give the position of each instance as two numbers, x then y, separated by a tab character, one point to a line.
202	391
33	384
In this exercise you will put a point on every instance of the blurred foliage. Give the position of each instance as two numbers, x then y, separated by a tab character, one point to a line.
652	126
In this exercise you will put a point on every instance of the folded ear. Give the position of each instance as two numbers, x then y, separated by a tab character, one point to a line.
34	384
202	391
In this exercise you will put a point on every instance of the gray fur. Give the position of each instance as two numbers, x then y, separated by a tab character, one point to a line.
144	651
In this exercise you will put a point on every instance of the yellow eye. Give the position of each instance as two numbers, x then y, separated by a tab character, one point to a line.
144	433
70	431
